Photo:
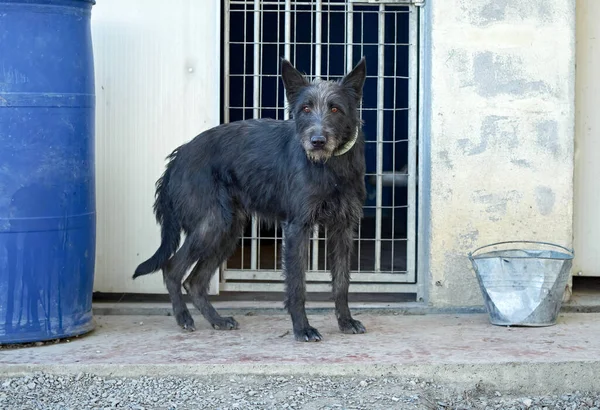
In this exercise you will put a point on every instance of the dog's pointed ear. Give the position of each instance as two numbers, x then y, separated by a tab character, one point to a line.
355	79
293	80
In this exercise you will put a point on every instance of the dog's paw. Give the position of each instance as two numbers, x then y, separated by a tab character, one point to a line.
308	334
351	326
184	319
226	323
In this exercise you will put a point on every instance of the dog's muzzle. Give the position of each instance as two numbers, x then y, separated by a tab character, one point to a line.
318	141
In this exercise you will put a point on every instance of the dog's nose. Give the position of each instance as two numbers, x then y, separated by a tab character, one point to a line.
318	141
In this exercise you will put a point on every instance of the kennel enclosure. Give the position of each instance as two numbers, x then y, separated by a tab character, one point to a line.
326	39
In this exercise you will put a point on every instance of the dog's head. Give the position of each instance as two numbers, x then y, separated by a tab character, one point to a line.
326	112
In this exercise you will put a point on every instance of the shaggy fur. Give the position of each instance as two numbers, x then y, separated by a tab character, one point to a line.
306	170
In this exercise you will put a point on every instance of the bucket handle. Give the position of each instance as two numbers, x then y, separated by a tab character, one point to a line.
505	242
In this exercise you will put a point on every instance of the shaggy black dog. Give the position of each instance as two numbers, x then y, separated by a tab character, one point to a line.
304	171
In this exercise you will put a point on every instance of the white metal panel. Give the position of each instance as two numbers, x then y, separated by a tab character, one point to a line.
587	141
157	85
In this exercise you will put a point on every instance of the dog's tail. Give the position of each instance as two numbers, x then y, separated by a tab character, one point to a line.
170	226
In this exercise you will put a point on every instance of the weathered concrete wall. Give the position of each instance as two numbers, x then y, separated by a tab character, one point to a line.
502	130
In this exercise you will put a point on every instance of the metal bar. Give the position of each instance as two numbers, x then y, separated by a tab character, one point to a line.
278	51
287	46
318	34
413	54
275	276
394	146
256	60
328	59
322	43
362	34
275	245
315	248
333	8
279	75
245	65
362	109
358	254
256	114
226	85
379	159
362	53
260	78
337	8
307	260
312	51
287	32
349	36
242	249
226	63
320	287
295	30
325	264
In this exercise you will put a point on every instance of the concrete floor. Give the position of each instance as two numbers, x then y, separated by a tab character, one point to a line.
460	349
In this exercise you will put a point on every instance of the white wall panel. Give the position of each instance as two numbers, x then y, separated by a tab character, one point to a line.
157	86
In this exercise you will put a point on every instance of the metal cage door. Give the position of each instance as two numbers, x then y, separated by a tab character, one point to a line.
326	39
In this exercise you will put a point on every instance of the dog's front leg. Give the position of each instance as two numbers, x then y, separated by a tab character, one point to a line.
294	262
341	241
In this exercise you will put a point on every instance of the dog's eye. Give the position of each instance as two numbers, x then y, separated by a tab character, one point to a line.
334	109
306	108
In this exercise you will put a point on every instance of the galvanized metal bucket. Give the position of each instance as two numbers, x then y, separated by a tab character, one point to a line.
522	287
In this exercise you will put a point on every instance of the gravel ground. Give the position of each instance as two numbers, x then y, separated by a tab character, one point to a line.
44	391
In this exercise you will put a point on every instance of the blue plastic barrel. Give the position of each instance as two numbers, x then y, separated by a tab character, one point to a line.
47	187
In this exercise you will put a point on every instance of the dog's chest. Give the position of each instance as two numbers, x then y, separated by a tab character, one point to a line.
334	203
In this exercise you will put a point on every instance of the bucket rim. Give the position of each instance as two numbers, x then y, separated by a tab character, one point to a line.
472	255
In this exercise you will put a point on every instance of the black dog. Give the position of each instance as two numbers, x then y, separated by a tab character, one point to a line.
304	171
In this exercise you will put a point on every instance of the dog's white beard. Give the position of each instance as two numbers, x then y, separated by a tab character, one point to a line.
320	156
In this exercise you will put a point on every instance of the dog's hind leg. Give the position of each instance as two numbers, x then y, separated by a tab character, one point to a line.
173	275
294	262
196	285
218	246
340	243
